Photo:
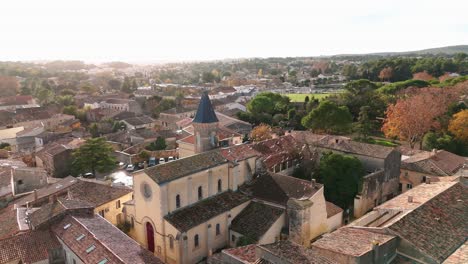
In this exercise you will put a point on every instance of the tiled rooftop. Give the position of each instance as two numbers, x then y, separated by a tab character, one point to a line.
8	223
30	247
342	144
290	252
49	211
440	163
332	209
279	188
439	226
202	211
245	253
96	193
182	167
351	241
459	256
256	219
101	240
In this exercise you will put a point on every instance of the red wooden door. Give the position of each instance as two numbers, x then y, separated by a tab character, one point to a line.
150	236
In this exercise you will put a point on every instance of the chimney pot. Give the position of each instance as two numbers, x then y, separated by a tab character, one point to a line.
35	195
410	199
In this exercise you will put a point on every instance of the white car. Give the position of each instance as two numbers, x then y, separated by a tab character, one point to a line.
170	159
130	167
162	160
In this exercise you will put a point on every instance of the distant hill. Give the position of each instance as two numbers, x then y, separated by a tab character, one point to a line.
441	50
434	51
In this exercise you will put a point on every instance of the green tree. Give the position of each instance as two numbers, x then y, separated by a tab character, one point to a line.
328	118
126	86
208	77
94	156
118	125
70	110
364	125
342	178
144	155
94	130
158	144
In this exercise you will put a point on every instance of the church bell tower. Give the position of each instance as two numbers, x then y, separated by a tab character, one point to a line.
205	124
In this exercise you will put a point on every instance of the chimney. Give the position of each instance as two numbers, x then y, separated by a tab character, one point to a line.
410	198
313	182
210	253
145	165
375	251
434	151
35	195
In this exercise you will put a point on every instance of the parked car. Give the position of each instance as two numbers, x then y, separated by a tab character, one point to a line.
162	160
130	167
88	175
152	161
170	159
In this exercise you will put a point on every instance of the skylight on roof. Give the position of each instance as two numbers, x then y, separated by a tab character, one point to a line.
103	261
67	226
80	237
91	248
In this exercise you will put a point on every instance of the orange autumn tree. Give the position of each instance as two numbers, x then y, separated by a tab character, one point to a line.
261	132
458	126
413	116
386	73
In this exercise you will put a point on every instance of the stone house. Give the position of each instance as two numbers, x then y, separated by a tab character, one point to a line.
27	179
66	231
56	158
103	199
425	166
139	122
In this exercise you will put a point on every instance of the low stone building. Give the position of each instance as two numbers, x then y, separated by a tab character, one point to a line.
56	157
425	166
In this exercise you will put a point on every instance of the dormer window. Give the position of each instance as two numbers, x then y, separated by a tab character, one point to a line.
90	249
80	237
67	226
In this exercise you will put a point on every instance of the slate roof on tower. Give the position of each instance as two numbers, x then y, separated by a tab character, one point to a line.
205	112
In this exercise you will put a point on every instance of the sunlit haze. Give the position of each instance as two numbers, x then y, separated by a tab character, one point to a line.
146	31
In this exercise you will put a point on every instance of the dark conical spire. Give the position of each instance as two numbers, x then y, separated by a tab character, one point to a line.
205	112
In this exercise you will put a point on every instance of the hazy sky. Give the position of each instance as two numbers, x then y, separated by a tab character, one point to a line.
101	30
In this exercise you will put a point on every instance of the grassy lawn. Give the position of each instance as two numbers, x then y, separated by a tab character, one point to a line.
382	142
301	97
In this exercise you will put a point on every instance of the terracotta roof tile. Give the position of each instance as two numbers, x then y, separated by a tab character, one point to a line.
245	253
351	241
30	247
332	209
9	225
